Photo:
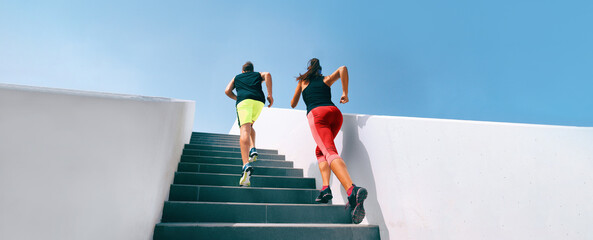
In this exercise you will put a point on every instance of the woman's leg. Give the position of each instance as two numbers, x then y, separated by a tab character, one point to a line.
325	123
338	165
323	167
339	168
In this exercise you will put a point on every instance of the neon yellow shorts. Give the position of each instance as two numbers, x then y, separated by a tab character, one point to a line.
248	111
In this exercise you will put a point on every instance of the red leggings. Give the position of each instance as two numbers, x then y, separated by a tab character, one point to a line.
325	123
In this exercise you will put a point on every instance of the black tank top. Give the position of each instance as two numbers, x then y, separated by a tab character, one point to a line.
317	94
248	86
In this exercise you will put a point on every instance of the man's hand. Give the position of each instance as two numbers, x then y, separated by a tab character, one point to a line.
344	98
271	101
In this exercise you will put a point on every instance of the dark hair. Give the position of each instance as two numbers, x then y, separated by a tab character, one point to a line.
248	67
313	71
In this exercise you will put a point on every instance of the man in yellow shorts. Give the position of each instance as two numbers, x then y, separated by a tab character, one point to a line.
250	100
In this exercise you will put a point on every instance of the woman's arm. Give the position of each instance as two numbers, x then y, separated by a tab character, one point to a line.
268	79
341	73
297	95
229	90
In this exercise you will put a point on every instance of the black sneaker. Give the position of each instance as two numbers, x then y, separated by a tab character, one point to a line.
355	200
324	196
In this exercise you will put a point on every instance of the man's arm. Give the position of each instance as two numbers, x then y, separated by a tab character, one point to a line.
229	90
268	80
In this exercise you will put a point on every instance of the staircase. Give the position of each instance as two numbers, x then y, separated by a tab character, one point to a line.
206	202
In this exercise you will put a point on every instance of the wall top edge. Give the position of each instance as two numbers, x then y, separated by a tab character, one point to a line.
88	93
449	120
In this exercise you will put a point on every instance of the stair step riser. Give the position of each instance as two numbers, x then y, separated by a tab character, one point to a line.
233	137
214	135
214	141
235	161
233	180
234	169
187	231
226	149
229	140
254	213
217	141
241	194
192	152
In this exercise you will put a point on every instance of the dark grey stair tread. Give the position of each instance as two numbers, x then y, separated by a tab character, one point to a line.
284	231
232	169
227	140
227	144
235	161
255	212
219	179
196	134
197	139
195	152
226	148
232	137
209	133
205	193
217	136
202	139
214	141
214	135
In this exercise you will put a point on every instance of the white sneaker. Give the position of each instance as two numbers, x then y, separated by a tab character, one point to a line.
252	155
247	171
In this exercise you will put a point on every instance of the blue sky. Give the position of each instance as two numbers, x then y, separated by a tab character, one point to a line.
505	61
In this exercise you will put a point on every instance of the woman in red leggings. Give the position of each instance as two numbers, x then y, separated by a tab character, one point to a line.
325	120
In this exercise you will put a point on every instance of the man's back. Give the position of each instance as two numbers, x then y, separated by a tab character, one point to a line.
249	86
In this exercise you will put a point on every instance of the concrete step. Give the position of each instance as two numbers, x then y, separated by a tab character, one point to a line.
224	144
261	156
205	139
225	148
233	169
214	135
241	194
264	231
236	161
218	179
254	213
231	138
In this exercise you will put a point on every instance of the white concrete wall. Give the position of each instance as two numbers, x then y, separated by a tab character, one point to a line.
81	165
451	179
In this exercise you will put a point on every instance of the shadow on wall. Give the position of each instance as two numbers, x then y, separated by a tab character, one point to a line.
358	162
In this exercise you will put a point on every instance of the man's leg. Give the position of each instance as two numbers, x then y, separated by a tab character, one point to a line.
252	143
256	108
245	142
247	112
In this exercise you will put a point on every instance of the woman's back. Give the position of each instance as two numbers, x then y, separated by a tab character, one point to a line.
317	94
